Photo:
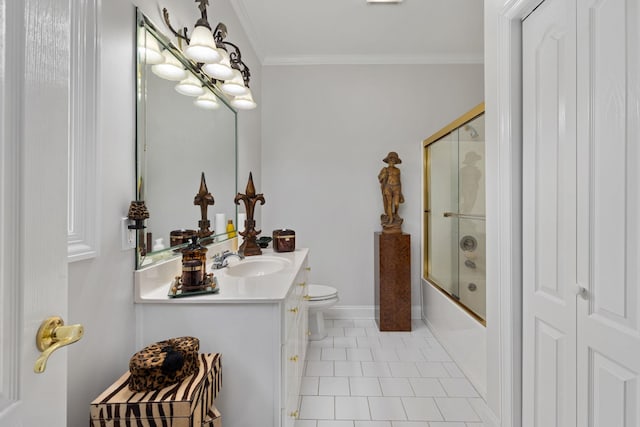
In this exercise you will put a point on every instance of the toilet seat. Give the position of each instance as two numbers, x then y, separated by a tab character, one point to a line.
319	299
322	293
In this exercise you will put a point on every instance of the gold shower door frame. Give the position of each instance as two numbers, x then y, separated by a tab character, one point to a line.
445	131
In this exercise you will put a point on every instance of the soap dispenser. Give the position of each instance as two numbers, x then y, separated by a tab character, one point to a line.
231	230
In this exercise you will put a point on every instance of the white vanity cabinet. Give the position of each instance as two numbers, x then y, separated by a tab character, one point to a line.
295	338
258	324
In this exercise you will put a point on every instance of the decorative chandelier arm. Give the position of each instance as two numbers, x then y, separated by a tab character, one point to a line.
235	55
183	36
236	62
219	34
246	75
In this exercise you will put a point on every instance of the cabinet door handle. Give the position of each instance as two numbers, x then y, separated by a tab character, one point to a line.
307	297
294	358
293	414
302	284
308	268
294	310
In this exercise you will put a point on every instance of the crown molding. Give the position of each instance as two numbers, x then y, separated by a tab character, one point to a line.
247	25
445	59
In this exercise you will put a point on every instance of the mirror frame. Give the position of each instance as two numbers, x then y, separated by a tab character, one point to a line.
150	258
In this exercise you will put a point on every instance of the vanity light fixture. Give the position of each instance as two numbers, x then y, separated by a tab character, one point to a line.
216	57
170	69
190	86
207	101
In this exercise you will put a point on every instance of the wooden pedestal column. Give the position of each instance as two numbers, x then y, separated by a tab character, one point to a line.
393	281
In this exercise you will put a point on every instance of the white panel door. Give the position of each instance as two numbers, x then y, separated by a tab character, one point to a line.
608	317
34	121
549	216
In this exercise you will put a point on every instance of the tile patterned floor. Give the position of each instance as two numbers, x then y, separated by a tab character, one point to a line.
361	377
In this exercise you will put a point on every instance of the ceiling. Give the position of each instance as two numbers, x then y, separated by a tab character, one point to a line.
355	32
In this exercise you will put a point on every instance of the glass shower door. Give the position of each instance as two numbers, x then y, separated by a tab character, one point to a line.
443	262
455	214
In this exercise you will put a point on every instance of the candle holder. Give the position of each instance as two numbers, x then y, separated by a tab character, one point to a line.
138	212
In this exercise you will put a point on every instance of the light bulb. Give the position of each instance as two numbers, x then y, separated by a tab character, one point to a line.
202	47
221	70
190	86
148	48
244	102
235	86
207	101
170	69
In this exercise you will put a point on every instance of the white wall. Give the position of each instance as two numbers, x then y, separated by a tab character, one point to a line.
101	289
326	130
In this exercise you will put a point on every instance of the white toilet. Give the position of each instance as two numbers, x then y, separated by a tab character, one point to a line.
321	297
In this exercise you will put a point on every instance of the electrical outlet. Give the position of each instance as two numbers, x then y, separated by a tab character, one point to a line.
128	235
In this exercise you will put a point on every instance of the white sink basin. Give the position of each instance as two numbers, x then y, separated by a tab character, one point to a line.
257	266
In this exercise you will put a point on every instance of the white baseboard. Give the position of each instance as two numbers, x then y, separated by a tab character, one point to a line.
362	312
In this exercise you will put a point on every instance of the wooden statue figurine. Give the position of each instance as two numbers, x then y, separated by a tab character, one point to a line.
391	187
204	199
250	247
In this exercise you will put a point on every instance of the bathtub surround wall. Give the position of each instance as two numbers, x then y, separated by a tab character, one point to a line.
101	289
333	125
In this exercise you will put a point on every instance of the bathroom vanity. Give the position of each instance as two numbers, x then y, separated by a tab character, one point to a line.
257	321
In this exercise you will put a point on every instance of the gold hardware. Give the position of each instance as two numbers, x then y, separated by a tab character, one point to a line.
308	268
463	216
307	297
467	117
52	335
308	333
294	309
293	414
302	284
294	358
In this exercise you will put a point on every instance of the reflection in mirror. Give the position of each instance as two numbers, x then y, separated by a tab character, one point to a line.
184	130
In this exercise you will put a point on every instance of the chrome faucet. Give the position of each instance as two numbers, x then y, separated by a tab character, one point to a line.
221	260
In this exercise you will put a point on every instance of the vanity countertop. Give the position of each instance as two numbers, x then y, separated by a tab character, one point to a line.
152	284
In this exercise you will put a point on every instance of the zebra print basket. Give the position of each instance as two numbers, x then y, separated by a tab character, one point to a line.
189	403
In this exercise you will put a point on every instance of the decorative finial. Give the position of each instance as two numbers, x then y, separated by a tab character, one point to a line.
204	199
251	189
249	246
204	21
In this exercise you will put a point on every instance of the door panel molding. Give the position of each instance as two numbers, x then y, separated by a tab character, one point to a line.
83	206
550	388
11	88
614	392
549	213
608	345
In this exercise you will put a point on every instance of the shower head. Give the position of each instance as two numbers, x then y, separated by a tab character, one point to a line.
472	131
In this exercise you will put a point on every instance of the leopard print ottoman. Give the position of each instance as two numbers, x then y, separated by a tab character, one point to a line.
163	363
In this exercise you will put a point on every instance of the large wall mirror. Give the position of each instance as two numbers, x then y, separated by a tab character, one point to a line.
179	137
